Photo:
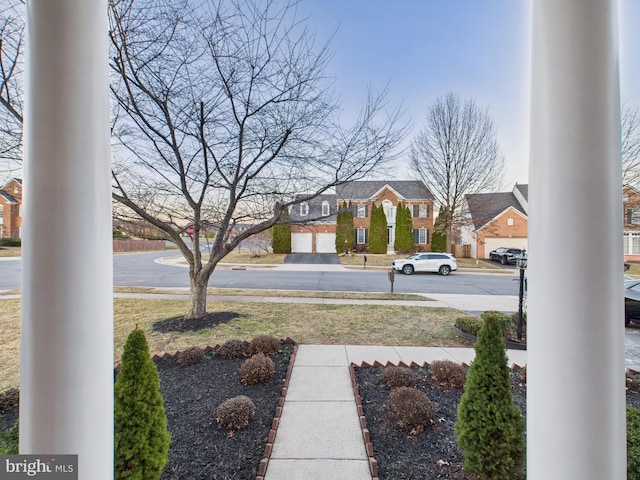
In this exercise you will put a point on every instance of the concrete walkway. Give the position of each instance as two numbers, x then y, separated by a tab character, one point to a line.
319	435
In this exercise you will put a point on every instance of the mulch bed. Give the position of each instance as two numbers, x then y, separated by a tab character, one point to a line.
181	325
199	449
434	453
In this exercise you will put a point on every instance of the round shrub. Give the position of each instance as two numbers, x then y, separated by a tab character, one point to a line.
633	381
470	325
448	373
396	377
257	369
235	413
264	344
413	408
9	399
232	349
190	356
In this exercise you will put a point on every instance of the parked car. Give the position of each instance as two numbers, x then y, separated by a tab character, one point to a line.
506	255
443	263
631	301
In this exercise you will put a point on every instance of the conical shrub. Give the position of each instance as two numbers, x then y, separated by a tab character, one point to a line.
141	436
490	427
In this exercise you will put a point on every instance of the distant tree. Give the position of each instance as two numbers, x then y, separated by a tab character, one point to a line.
490	428
345	239
221	111
281	242
378	230
141	436
439	237
404	232
630	137
11	81
457	153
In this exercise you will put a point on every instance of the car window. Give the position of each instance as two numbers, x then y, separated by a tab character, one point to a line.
439	256
424	256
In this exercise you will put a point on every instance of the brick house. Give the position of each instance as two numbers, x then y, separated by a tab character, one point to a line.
631	236
10	209
493	220
314	227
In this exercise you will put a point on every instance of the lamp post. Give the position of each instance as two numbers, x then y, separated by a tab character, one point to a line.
521	263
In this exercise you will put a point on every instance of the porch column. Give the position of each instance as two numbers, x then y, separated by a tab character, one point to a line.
66	360
576	396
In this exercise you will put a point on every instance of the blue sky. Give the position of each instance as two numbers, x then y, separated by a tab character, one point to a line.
426	48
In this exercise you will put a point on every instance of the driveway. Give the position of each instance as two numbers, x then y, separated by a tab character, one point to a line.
313	258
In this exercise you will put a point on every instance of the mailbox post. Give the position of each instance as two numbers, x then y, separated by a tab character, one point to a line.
391	278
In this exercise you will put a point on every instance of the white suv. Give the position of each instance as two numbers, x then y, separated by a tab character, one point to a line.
443	263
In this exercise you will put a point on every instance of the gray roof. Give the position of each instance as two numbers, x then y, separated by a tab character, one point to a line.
7	197
484	207
524	190
315	209
364	190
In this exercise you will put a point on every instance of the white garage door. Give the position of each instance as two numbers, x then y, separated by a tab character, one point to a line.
493	243
325	243
301	243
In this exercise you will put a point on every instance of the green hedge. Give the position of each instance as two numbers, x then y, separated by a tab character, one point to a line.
633	443
10	242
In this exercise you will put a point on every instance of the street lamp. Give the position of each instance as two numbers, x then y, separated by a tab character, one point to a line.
521	263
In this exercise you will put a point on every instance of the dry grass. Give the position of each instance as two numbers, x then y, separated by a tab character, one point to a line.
279	293
10	251
305	323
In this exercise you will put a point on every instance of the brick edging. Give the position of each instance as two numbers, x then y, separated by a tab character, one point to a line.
268	449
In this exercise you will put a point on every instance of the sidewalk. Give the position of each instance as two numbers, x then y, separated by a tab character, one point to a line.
319	435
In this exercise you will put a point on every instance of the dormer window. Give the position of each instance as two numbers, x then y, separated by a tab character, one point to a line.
304	209
325	209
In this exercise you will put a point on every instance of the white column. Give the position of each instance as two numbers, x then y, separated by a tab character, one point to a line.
66	360
576	398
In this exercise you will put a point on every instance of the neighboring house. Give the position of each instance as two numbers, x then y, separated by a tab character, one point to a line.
493	220
631	208
10	209
314	222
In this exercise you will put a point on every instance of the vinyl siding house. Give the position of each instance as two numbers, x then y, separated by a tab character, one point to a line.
314	222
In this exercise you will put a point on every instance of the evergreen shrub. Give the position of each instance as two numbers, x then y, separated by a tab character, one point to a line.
633	443
469	324
281	240
141	436
490	428
378	231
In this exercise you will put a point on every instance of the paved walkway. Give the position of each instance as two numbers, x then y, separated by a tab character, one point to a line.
319	435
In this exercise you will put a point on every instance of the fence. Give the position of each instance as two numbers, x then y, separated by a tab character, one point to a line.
137	245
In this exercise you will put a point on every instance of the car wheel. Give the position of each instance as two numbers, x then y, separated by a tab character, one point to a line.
444	270
407	269
503	260
627	320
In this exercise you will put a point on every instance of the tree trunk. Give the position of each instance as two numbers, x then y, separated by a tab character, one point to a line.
199	285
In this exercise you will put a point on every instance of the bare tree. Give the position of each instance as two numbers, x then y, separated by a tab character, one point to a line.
224	114
11	93
630	142
456	153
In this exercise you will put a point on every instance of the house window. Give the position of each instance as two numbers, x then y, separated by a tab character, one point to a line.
633	216
361	236
387	206
420	211
510	222
361	211
304	209
421	236
1	215
325	208
631	243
